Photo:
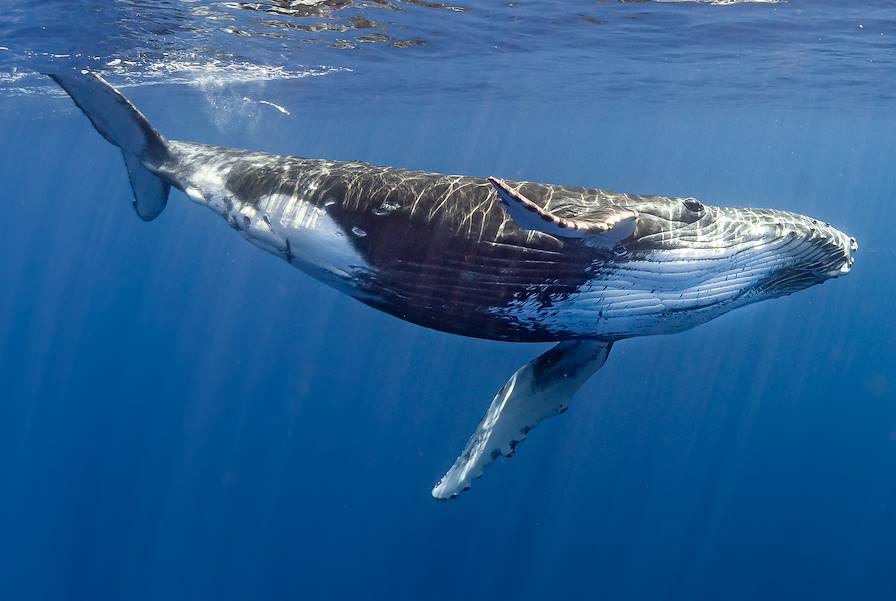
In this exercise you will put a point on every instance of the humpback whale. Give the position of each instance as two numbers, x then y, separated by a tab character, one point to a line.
484	257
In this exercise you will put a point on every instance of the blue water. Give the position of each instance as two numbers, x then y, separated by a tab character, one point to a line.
183	416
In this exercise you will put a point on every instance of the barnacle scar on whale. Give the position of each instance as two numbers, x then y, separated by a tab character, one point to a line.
484	257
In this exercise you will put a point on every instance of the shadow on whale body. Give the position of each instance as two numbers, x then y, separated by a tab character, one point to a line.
484	257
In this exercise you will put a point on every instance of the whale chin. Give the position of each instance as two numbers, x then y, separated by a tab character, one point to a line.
844	269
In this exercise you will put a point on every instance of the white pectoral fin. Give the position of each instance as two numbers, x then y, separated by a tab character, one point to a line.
602	226
540	389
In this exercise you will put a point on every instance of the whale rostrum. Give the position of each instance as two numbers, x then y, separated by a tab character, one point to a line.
484	257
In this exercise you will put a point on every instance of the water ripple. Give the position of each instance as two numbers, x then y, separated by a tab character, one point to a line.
819	51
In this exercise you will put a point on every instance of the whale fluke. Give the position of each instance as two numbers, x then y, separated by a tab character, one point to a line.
538	390
119	121
604	225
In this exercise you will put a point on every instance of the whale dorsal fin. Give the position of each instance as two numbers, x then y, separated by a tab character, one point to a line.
608	224
538	390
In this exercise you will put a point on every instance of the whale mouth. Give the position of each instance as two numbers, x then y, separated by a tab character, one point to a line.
849	247
841	271
834	259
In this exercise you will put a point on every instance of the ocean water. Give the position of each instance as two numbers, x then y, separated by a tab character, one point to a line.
183	416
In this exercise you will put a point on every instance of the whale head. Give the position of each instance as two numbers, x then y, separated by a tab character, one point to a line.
662	265
727	257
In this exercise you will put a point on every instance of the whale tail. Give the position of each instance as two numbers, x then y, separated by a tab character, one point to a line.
119	121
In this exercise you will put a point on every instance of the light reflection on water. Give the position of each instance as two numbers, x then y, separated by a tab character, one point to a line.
820	52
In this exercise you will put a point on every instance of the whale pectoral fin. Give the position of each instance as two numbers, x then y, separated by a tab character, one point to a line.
540	389
603	225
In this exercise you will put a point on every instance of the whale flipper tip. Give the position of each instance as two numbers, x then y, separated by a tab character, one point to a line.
538	390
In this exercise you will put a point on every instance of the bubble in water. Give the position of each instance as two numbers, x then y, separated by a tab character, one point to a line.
358	232
329	202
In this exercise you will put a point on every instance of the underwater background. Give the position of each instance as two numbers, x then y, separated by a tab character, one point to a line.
183	416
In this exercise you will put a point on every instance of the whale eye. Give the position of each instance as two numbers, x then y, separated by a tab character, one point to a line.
693	205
